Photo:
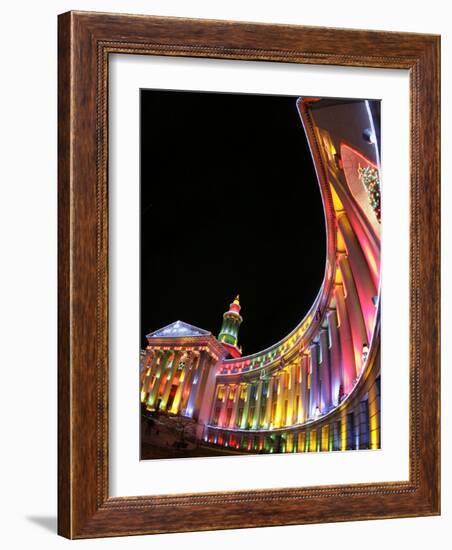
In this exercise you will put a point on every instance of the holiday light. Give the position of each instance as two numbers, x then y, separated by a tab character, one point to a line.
300	394
371	180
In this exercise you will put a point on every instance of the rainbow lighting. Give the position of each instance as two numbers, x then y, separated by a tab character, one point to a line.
318	389
230	329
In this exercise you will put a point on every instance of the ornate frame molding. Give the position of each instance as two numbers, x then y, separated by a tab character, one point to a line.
85	42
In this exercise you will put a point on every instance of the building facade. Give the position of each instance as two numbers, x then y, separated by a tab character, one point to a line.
318	389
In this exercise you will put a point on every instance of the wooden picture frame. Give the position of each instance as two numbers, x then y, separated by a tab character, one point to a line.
85	42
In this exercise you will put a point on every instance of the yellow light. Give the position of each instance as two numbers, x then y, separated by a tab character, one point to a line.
337	203
313	441
344	433
289	445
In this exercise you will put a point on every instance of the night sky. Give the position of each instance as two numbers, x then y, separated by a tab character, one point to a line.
229	204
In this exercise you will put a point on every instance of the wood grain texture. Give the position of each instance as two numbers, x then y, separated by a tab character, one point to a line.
85	42
64	295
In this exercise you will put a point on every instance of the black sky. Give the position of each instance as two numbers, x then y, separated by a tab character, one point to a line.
229	204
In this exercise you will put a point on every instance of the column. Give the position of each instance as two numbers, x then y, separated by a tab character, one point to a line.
297	408
145	375
304	388
196	384
146	366
300	412
161	365
257	407
336	435
374	414
325	371
314	371
224	406
301	442
361	273
291	413
213	405
206	393
313	436
169	382
324	434
335	356
279	419
146	388
183	380
153	371
354	310
356	431
269	403
246	408
188	382
202	383
176	401
344	434
364	439
345	334
235	407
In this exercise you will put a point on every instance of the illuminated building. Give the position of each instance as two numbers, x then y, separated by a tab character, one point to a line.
318	389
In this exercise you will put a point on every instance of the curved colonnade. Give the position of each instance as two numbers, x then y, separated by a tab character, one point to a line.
318	389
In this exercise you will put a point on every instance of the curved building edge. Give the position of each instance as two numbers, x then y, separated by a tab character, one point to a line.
318	388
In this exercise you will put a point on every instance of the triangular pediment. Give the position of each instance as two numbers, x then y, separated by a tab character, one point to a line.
178	329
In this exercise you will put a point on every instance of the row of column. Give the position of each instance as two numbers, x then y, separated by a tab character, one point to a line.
357	428
264	403
327	371
176	381
355	298
301	390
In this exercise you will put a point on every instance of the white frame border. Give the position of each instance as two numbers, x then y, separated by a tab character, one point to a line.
130	476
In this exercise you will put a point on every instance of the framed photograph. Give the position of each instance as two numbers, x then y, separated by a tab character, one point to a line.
248	275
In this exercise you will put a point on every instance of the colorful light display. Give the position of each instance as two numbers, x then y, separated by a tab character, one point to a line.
230	329
371	181
318	389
